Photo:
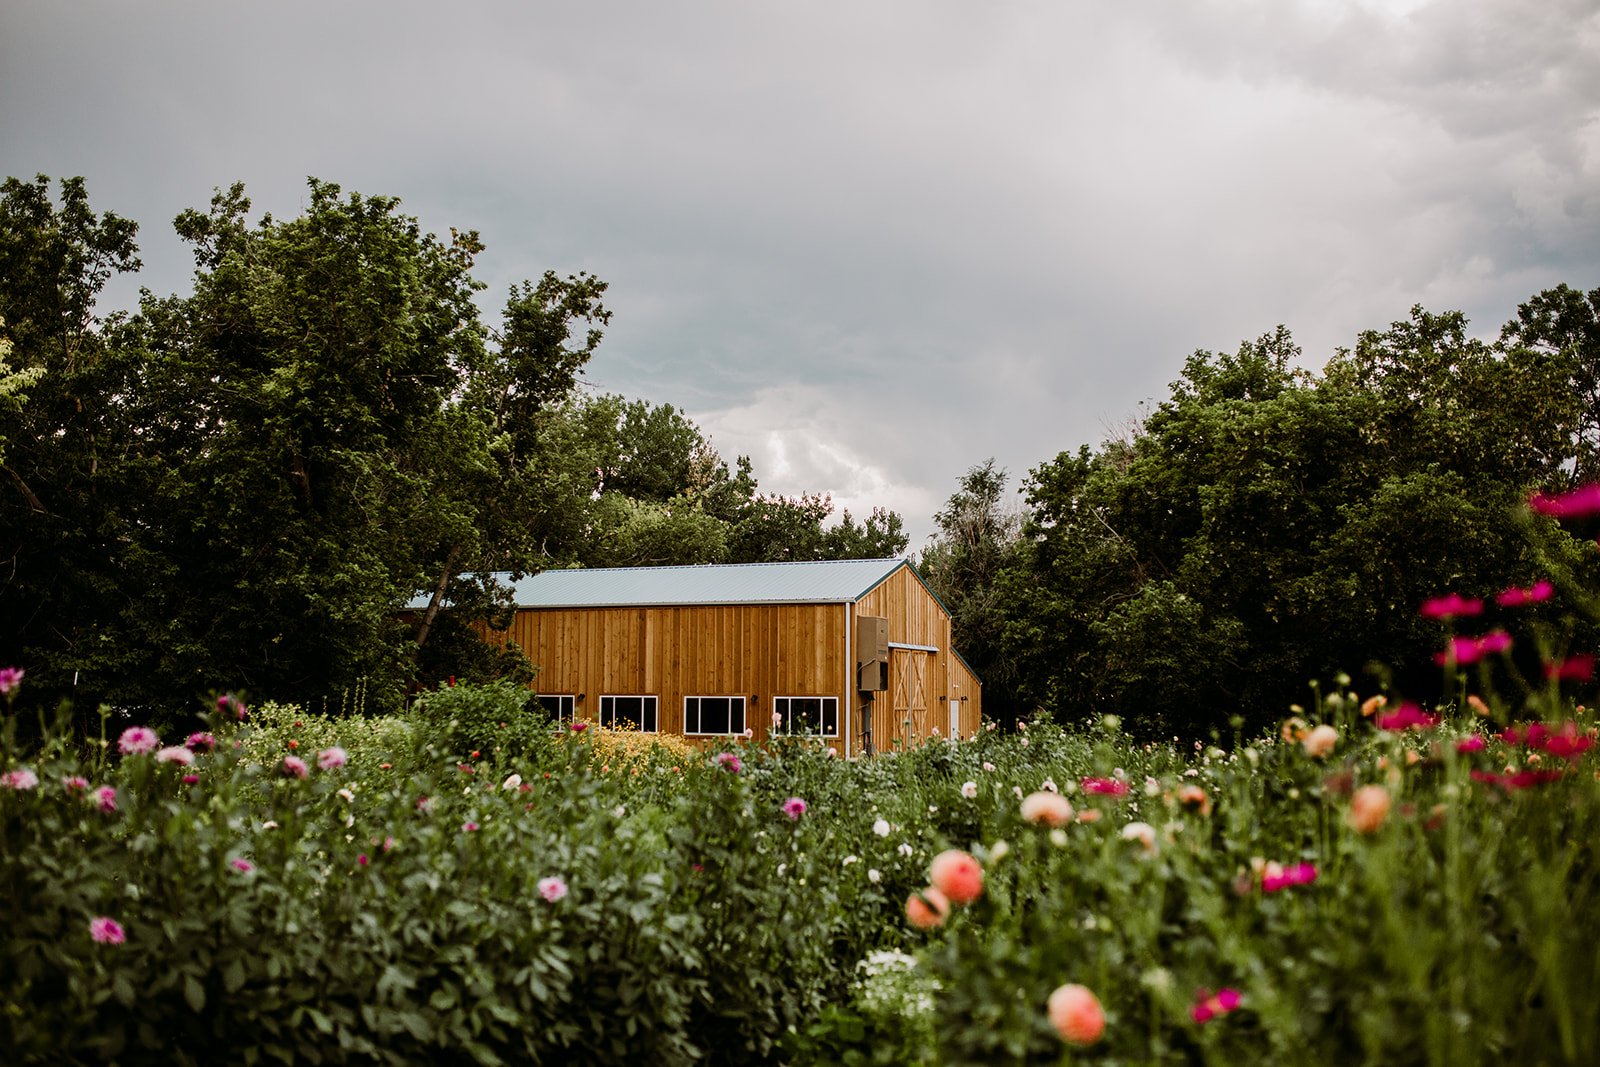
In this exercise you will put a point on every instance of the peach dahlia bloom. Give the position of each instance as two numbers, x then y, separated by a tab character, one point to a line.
1076	1015
957	875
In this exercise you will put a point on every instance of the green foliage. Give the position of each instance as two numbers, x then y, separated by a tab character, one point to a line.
1266	526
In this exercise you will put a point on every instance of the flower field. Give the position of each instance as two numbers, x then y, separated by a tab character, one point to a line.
463	883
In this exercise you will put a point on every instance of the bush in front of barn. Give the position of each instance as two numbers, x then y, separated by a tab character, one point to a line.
224	897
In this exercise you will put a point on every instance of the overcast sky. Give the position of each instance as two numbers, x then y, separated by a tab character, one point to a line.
871	244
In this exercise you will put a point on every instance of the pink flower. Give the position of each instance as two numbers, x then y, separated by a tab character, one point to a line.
579	727
190	779
1113	787
240	864
1578	668
957	875
294	767
21	778
1516	598
75	784
137	740
201	741
1449	607
233	707
728	762
361	860
777	721
424	804
175	754
1076	1015
1463	650
106	930
1208	1006
1287	877
331	758
106	798
1408	716
10	681
469	827
552	888
1319	741
1369	809
1581	501
1567	743
1472	743
794	807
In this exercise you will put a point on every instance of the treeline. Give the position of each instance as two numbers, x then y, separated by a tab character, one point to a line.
239	488
1266	527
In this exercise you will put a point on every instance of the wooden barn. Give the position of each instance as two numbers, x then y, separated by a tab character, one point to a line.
855	651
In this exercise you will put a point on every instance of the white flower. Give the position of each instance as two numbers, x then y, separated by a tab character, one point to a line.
1049	784
998	851
1151	787
1017	789
512	782
620	810
348	796
969	789
987	766
1143	833
781	868
881	827
873	876
932	809
270	824
905	848
848	860
349	821
1024	742
1058	837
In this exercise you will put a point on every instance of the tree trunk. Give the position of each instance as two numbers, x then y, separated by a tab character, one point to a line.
438	595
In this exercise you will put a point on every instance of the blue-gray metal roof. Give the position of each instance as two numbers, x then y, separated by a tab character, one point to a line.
820	582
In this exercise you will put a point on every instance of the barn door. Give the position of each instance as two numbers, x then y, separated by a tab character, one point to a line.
912	721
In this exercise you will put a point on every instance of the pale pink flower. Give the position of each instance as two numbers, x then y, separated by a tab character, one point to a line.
75	784
294	767
22	778
175	754
552	888
106	798
777	720
969	789
241	864
1320	741
469	827
137	740
728	762
1369	809
331	758
233	707
1046	808
424	804
1143	833
1076	1015
106	930
794	807
201	741
10	681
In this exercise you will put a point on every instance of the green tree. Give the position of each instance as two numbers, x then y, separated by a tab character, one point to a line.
965	564
1266	527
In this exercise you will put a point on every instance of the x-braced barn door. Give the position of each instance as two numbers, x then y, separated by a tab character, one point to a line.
911	695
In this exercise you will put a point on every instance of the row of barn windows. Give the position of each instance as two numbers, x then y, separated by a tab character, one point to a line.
715	716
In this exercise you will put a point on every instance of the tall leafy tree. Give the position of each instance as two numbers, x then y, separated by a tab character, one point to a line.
964	564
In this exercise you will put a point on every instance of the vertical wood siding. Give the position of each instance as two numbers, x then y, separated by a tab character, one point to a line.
758	651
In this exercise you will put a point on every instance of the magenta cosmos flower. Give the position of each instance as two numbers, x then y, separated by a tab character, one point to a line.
106	930
105	799
1112	787
1287	877
241	864
1450	607
794	807
137	740
1464	650
1516	598
201	742
22	778
331	758
294	767
1407	717
10	681
175	754
1208	1005
1581	501
552	888
233	707
728	762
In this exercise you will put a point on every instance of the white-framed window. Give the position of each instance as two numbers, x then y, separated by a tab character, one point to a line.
813	716
629	713
713	715
559	706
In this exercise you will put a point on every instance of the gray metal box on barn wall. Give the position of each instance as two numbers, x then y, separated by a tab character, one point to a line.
872	653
